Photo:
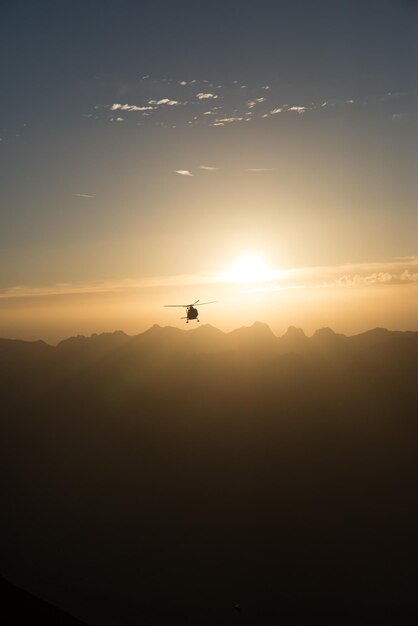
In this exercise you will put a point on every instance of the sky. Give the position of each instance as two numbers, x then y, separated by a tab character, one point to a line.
263	155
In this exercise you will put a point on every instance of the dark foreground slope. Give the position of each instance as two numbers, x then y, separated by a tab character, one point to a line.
203	478
20	607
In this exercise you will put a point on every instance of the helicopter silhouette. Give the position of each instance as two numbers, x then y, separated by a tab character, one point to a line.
191	312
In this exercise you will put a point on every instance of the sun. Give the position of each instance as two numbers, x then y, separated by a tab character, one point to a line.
250	268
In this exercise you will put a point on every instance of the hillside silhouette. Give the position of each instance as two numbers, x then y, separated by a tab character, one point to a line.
20	607
201	477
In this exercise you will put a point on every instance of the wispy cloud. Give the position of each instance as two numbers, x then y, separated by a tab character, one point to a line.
253	103
105	286
361	280
84	195
299	109
165	101
393	272
208	167
206	96
184	173
260	169
226	120
161	102
130	107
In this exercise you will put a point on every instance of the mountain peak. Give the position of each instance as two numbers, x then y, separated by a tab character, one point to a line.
95	338
379	330
261	326
372	337
255	337
325	332
156	328
294	333
327	335
156	332
207	329
294	340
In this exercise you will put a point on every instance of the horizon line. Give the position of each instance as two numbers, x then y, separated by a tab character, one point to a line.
226	333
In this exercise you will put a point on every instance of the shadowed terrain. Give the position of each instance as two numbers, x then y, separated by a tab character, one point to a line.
199	477
21	607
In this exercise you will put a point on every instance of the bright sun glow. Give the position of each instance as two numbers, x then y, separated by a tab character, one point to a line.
250	268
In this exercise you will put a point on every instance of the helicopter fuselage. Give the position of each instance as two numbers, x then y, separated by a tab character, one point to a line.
192	313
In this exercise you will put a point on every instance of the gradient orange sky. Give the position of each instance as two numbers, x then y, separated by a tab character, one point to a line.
137	174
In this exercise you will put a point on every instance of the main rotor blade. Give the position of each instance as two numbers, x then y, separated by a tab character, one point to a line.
187	305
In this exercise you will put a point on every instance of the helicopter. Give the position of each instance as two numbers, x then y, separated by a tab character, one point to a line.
191	312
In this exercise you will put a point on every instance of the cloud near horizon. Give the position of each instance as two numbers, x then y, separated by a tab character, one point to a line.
402	271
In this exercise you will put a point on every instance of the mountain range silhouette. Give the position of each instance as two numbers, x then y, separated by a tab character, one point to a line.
173	476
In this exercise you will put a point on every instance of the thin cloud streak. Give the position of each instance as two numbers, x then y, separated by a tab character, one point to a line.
356	275
65	289
184	173
260	169
84	195
130	107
